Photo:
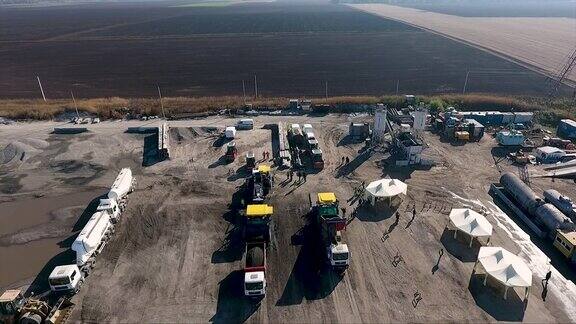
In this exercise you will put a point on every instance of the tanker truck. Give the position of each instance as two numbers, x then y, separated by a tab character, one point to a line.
115	202
92	240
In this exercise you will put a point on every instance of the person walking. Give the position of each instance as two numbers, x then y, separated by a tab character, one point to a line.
304	175
414	212
263	155
342	161
347	160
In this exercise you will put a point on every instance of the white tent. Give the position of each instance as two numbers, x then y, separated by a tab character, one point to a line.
506	267
385	189
470	223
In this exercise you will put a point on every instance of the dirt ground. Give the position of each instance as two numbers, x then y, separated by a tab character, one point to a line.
177	253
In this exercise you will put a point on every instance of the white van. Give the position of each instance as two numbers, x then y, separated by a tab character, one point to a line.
246	123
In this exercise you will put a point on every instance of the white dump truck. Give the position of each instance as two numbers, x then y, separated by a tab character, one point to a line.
115	202
66	278
92	240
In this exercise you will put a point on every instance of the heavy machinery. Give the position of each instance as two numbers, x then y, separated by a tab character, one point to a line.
92	240
66	278
331	223
317	160
115	202
15	308
257	235
250	160
231	152
259	183
543	218
255	269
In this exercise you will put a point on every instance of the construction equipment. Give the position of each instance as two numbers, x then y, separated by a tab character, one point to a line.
231	152
255	269
257	234
259	183
66	278
330	222
115	202
92	240
317	160
250	160
15	308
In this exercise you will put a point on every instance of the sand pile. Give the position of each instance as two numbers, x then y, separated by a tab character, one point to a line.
18	151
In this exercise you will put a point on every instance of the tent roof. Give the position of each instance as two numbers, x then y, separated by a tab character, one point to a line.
470	222
505	266
386	188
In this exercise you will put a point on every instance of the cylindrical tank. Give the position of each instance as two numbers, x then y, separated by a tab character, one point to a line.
89	239
521	192
122	185
553	219
563	203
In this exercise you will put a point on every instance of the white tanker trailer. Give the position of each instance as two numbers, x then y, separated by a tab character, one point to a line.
92	239
115	202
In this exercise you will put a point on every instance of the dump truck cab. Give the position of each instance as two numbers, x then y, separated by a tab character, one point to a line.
317	160
231	152
338	254
66	278
331	224
250	160
257	222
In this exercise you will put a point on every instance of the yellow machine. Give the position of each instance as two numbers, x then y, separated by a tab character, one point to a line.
15	308
462	135
257	222
565	242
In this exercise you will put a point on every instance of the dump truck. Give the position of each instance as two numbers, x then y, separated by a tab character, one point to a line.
257	234
330	223
115	201
231	152
259	183
255	269
317	160
15	308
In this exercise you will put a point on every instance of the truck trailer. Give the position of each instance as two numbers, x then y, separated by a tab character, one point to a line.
257	235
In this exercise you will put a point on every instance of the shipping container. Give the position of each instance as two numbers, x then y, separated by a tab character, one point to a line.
566	129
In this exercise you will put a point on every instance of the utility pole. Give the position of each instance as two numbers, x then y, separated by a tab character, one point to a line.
244	91
75	106
397	86
161	104
465	82
255	87
41	90
326	91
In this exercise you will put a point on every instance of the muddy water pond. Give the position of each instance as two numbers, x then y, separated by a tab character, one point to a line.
35	232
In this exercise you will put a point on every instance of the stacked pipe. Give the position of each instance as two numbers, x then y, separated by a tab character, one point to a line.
545	214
